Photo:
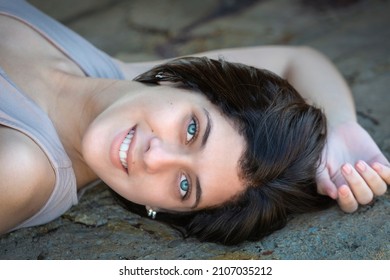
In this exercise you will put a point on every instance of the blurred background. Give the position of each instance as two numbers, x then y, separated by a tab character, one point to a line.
146	29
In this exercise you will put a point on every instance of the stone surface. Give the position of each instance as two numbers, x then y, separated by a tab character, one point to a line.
354	34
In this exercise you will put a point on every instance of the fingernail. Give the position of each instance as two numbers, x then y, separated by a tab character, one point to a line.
343	191
347	168
377	167
361	166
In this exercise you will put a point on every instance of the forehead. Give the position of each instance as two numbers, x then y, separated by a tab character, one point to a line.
219	170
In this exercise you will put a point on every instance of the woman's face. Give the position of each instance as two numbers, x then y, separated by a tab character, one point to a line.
166	148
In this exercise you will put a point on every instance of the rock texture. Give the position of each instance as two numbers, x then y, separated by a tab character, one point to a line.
354	34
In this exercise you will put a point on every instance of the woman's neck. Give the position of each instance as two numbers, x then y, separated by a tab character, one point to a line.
74	106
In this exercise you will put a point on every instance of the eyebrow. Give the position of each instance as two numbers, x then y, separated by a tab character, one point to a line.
207	130
205	137
198	193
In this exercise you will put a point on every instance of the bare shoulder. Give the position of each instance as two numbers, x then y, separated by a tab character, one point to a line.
26	178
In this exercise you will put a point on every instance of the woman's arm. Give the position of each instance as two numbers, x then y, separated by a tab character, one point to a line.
26	178
353	169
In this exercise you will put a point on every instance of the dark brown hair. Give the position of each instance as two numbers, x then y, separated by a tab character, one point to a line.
284	140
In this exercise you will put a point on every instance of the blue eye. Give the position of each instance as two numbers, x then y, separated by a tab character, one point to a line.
191	130
184	185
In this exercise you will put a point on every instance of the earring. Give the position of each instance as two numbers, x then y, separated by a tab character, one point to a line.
152	214
160	75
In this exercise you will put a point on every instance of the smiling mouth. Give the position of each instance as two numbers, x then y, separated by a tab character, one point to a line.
124	148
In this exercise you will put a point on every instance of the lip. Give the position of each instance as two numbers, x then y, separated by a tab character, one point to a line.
114	149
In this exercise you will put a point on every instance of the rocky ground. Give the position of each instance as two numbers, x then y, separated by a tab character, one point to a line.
354	34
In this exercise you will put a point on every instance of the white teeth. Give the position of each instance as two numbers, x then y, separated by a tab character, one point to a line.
125	147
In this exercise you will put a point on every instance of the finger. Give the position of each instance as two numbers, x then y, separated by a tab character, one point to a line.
325	185
346	200
373	179
359	187
383	171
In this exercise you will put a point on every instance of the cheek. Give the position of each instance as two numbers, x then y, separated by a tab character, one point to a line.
145	190
161	112
91	146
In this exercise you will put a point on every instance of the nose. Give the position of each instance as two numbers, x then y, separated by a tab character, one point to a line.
162	156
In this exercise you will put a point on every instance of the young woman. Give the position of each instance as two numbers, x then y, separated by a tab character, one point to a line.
229	149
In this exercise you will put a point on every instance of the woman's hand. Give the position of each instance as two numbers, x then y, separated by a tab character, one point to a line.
354	170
